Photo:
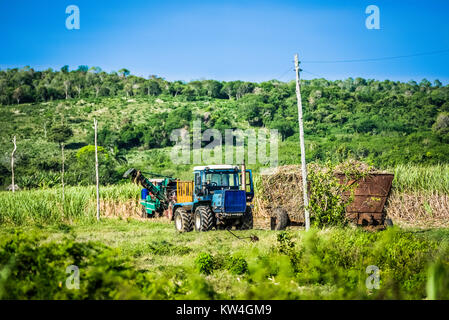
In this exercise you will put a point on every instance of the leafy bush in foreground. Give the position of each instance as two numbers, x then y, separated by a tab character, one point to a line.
237	265
205	263
320	264
338	258
31	268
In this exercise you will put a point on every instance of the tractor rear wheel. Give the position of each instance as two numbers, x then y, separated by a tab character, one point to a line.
183	220
204	218
247	219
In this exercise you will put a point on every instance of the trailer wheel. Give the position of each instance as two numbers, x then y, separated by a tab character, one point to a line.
204	219
281	218
183	220
247	220
388	222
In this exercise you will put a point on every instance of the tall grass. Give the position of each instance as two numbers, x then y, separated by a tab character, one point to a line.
45	206
427	179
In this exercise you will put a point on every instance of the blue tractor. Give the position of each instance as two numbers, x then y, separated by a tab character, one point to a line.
219	197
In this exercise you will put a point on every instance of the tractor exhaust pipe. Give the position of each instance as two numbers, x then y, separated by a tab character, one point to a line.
243	176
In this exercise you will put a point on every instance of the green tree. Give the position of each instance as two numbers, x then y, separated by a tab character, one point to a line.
83	68
18	94
176	88
152	87
60	133
124	72
228	89
441	126
213	88
86	165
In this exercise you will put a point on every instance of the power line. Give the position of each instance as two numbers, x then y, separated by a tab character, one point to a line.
290	69
314	74
284	73
379	59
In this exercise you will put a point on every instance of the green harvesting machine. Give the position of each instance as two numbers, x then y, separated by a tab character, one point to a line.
156	195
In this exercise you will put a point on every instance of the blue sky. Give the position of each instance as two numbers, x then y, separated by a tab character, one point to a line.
229	40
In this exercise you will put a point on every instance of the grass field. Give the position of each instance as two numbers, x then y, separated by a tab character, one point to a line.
149	259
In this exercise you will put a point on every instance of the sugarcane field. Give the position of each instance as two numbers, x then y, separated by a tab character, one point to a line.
197	160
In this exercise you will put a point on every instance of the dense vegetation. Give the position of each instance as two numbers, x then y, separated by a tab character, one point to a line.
141	260
383	122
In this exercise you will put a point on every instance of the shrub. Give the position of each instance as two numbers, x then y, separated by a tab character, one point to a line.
438	280
327	200
205	263
285	243
33	269
237	265
338	258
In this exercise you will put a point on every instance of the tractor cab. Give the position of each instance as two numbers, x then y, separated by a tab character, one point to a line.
214	179
220	188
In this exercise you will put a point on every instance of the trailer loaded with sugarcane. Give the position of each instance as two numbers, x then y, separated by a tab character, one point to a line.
219	197
358	190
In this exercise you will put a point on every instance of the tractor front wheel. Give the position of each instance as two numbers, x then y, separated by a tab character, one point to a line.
183	220
204	218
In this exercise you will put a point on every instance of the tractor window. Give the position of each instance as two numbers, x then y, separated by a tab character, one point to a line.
197	182
197	179
222	179
248	181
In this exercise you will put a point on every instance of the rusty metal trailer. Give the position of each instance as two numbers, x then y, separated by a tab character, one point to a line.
370	197
366	209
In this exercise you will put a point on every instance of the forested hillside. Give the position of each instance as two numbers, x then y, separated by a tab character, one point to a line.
382	122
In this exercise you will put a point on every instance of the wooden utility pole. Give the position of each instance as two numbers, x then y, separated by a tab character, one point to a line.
243	174
303	149
96	171
62	174
12	164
